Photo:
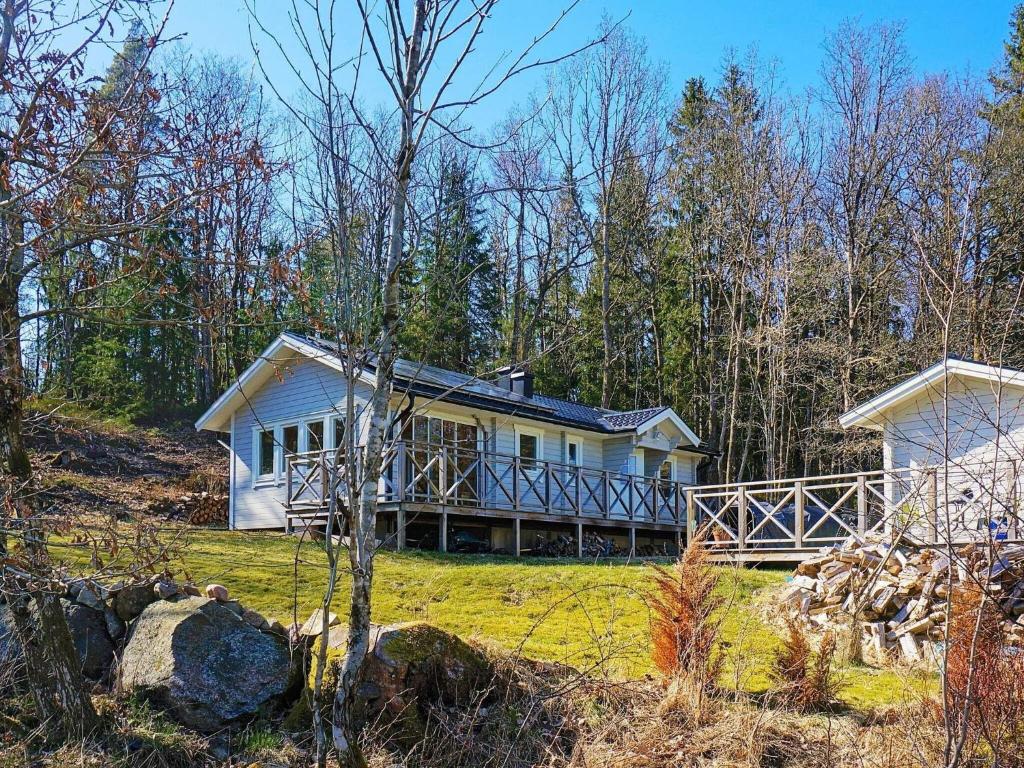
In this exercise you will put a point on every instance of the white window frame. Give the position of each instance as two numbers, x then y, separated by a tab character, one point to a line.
531	432
277	477
298	424
673	461
257	454
578	442
304	446
639	462
330	422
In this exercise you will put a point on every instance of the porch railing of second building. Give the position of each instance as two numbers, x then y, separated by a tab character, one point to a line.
955	502
456	477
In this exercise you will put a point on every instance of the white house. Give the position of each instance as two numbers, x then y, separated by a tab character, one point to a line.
954	433
489	462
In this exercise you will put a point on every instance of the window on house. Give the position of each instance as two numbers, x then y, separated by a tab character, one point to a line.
339	432
290	441
574	453
665	473
315	435
265	446
528	449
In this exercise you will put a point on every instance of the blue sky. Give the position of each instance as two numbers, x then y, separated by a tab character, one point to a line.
691	38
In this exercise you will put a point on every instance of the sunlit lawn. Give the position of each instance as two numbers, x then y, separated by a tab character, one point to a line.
577	613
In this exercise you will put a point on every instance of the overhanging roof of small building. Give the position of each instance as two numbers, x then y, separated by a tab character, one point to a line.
417	380
871	414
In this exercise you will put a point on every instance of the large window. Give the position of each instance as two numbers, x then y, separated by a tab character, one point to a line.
439	446
274	445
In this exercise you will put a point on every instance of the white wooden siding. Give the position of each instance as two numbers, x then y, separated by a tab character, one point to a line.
305	390
975	435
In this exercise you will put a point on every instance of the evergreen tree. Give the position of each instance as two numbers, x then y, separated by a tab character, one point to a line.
454	317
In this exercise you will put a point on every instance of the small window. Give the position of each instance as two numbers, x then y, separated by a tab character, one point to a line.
574	453
665	473
528	450
315	436
290	441
266	452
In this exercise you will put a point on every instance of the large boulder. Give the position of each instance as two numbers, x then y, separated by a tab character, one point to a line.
409	669
92	641
199	660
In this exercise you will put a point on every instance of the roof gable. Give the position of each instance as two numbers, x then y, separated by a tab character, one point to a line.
282	349
872	414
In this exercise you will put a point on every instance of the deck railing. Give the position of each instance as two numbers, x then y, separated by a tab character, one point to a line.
954	502
453	476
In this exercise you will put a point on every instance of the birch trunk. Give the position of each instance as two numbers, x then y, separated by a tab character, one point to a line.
362	535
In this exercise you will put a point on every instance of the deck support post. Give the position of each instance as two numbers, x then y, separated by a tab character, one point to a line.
741	517
1013	531
400	534
517	542
862	504
632	541
798	514
931	502
443	532
679	541
691	516
579	540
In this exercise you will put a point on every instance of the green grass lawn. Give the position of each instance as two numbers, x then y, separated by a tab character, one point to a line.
588	615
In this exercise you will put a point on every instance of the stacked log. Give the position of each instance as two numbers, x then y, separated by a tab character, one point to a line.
196	508
205	508
901	593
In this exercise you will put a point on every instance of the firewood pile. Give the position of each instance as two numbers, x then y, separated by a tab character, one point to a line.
196	508
903	592
595	545
564	545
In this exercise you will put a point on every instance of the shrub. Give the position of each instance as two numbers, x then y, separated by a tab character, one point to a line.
686	619
804	680
984	682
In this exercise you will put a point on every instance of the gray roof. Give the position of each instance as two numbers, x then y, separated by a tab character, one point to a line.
430	381
632	419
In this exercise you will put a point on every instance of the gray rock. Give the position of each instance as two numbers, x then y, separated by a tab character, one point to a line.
164	590
115	625
89	632
92	595
201	662
191	589
132	600
255	619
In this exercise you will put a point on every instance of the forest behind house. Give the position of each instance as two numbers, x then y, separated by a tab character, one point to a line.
758	259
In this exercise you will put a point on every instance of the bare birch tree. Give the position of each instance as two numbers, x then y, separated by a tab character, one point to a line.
421	55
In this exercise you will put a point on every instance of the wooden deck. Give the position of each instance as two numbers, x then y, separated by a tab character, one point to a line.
769	521
788	519
471	481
